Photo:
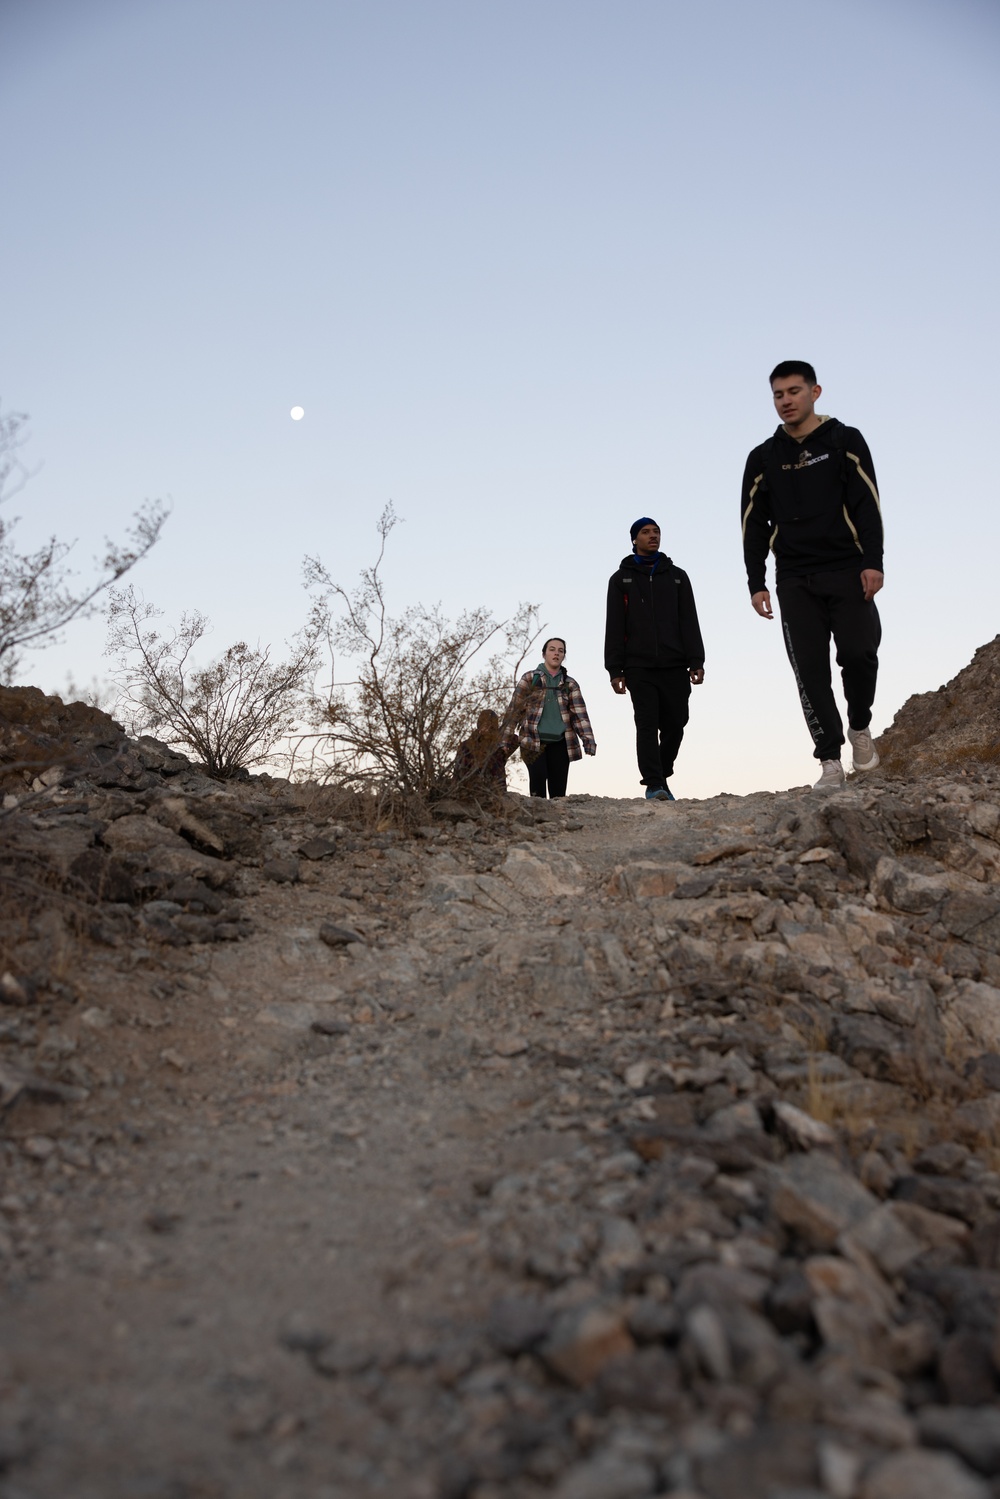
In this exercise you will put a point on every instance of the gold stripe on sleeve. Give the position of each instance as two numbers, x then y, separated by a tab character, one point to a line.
857	461
746	513
853	531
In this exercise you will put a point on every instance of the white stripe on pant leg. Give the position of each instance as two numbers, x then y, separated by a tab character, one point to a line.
812	722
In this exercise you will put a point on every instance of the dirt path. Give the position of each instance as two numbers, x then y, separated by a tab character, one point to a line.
421	1214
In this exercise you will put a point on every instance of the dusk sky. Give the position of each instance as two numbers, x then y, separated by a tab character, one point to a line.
526	266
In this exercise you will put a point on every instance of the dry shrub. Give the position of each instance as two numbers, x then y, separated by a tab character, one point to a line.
421	682
39	594
231	713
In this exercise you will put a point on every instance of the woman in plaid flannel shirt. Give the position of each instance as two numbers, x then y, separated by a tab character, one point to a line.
548	718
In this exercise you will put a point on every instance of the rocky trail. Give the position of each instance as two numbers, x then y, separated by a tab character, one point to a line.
598	1150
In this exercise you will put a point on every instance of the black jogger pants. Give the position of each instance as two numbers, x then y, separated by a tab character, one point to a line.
551	768
814	608
660	696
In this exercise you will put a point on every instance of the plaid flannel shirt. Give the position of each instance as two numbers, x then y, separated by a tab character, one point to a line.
523	715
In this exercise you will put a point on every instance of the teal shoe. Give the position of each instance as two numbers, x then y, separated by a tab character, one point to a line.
658	794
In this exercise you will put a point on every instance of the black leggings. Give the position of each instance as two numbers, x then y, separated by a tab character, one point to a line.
551	768
814	608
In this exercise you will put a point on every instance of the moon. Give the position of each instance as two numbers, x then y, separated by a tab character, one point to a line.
297	413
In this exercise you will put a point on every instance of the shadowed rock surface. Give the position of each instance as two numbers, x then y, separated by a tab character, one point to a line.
951	728
596	1149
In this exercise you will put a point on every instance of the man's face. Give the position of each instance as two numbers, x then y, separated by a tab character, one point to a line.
647	541
794	399
553	655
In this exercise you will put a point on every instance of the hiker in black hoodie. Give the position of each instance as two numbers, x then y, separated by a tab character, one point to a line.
809	495
653	649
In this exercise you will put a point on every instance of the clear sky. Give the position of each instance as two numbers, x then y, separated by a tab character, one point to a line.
526	265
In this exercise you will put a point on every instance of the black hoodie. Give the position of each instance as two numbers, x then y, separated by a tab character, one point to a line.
814	503
651	620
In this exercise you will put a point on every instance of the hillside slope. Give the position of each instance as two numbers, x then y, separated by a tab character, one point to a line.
951	728
600	1149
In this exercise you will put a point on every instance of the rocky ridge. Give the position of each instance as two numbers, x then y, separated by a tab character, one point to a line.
597	1150
954	727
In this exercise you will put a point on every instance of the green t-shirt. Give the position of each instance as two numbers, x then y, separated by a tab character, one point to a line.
550	726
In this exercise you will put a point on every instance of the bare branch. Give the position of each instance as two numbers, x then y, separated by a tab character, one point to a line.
39	594
420	679
230	713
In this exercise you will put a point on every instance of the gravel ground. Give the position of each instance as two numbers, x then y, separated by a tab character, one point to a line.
598	1150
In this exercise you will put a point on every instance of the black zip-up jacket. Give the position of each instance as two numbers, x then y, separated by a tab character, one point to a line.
814	503
652	620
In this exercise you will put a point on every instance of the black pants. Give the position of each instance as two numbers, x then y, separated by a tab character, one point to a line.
550	769
660	696
814	608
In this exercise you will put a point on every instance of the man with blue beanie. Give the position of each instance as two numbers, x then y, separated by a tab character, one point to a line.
653	650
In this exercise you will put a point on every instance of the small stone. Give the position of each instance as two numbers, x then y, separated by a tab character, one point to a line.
336	1359
772	1460
723	851
985	1069
511	1046
790	1303
650	1321
38	1147
816	855
873	1418
96	1019
300	1334
707	1335
875	1173
801	1129
331	1027
607	1477
839	1468
944	1159
817	1198
636	1075
912	1349
884	1236
734	1120
338	936
965	1368
973	1432
621	1244
173	1058
921	1475
14	991
317	848
933	1230
542	874
517	1324
583	1340
943	1194
282	871
648	1380
162	1220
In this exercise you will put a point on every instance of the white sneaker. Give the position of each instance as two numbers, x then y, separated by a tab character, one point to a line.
865	753
832	778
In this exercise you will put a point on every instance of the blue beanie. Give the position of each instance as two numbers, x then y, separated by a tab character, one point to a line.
637	525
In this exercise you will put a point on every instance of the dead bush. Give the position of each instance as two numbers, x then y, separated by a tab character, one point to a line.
420	682
231	713
39	594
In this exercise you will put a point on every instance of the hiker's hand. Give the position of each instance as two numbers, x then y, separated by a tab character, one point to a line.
762	603
618	685
871	582
697	675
